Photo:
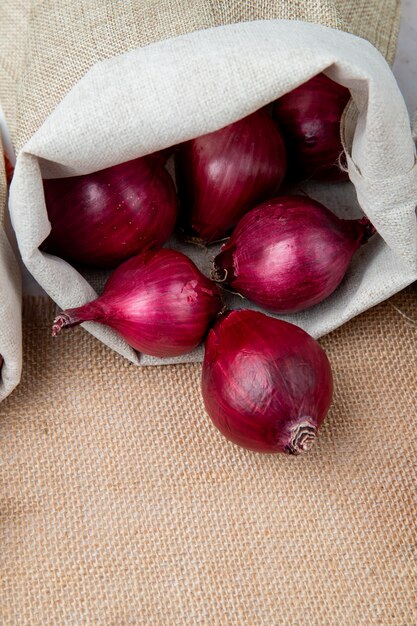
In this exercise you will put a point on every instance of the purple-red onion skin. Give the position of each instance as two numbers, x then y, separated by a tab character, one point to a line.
221	175
100	219
289	254
159	302
267	385
309	117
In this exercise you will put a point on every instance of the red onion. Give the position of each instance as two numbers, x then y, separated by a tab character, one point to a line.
222	175
9	170
101	219
158	301
267	385
289	253
309	117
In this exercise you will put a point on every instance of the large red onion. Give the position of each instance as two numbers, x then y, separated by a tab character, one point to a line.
267	385
309	118
222	175
289	253
101	219
158	301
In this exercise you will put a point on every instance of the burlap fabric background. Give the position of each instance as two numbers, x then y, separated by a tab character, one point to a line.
121	503
46	46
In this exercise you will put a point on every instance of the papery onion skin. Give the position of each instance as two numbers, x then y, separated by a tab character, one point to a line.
159	302
221	175
267	385
309	117
289	254
100	219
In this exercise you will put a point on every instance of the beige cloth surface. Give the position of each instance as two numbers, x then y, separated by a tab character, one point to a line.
10	298
122	504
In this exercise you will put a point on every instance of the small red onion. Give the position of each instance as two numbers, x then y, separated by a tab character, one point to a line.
222	175
309	118
267	385
158	301
101	219
9	170
289	253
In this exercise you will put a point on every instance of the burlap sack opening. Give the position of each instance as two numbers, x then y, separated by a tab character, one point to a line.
10	299
170	91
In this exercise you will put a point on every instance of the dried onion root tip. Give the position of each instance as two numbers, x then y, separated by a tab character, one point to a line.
63	320
218	275
303	437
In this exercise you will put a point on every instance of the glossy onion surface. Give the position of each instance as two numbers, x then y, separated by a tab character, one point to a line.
158	301
101	219
222	175
289	254
309	117
267	385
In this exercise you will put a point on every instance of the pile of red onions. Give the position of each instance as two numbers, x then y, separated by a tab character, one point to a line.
101	219
267	385
289	254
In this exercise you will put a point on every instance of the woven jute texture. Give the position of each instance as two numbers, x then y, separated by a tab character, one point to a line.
46	46
122	504
14	26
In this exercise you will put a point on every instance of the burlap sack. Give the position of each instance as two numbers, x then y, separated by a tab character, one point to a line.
10	299
175	89
122	505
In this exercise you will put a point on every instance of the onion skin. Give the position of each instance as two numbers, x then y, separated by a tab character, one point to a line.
100	219
267	385
289	254
159	302
309	118
9	170
221	175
